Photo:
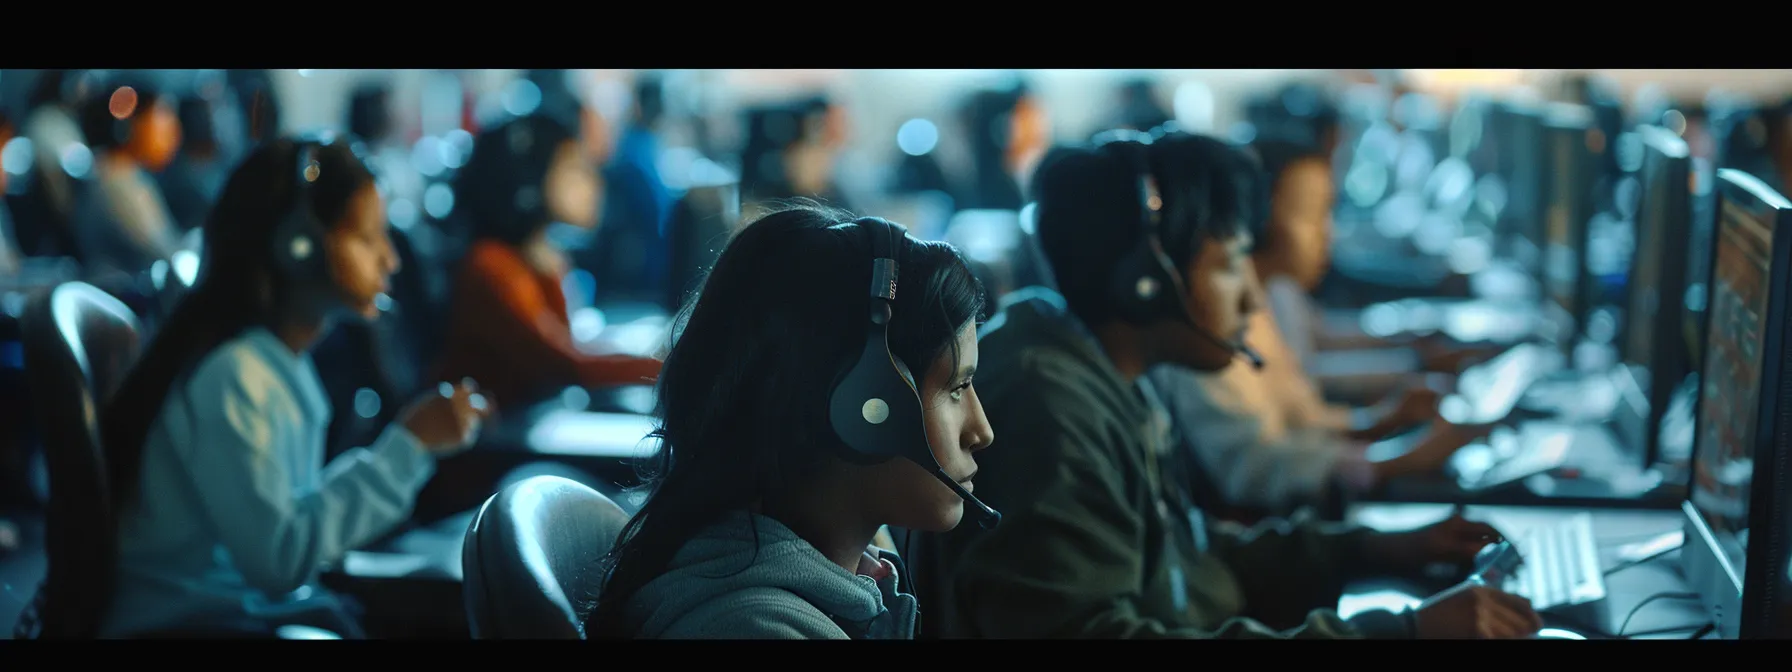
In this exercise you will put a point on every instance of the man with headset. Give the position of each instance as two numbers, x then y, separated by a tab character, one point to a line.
1149	244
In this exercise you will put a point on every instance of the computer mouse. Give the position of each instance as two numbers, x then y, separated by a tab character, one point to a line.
1495	562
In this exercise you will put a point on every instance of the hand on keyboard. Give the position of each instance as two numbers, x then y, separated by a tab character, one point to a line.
1417	405
1441	443
1471	611
1453	541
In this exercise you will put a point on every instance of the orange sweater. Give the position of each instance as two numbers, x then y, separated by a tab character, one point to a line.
510	333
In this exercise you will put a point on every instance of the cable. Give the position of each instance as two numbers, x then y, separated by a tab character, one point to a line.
1646	601
1639	561
1703	632
1667	631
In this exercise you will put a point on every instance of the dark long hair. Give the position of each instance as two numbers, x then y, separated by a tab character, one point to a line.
236	289
501	189
743	397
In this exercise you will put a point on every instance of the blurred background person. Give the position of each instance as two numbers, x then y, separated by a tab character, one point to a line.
509	327
125	226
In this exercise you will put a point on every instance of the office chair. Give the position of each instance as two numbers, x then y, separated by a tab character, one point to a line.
79	343
531	559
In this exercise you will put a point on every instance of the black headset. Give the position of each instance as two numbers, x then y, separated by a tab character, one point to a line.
299	237
875	407
1146	285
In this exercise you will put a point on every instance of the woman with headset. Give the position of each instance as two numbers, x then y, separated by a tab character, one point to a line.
509	328
225	509
792	430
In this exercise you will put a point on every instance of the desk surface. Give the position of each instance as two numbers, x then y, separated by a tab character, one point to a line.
579	433
1625	589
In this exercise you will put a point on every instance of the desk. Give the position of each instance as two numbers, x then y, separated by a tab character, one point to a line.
1625	589
1609	478
604	445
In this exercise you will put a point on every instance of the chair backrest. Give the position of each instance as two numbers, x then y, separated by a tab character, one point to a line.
532	559
79	343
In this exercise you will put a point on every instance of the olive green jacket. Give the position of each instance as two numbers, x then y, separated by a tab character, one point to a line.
1093	541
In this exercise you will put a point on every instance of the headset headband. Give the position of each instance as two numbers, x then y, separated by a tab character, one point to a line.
884	268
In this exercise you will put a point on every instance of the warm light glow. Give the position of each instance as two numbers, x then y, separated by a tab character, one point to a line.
123	102
1466	77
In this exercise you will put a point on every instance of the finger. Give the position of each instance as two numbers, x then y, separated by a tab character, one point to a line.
1495	623
469	384
1511	623
446	389
1518	606
1474	530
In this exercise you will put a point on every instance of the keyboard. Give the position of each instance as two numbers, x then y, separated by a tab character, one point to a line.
1561	565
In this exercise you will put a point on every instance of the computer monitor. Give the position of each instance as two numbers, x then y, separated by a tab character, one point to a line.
1741	407
1653	347
700	225
1517	145
1569	135
1698	260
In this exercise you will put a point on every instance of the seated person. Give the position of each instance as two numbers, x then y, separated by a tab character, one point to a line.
1293	255
1269	442
124	225
509	327
214	441
1148	243
1265	436
760	527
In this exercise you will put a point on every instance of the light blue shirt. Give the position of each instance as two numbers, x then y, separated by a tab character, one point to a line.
237	513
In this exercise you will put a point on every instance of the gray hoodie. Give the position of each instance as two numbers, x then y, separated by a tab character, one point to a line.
727	584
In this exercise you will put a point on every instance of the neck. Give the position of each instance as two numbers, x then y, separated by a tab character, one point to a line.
839	533
1121	344
300	332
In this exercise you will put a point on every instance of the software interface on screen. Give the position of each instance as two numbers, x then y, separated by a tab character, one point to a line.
1698	260
1724	463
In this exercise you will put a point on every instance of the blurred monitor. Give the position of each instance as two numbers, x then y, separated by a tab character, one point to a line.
924	213
1517	146
1568	134
1743	417
1654	346
699	226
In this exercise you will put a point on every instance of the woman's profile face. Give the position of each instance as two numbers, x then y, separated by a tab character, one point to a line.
361	256
572	187
1302	215
956	428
